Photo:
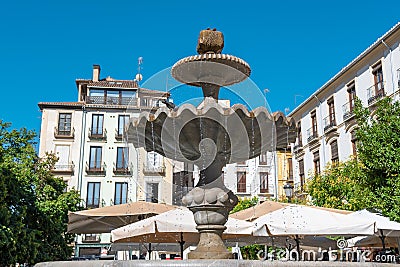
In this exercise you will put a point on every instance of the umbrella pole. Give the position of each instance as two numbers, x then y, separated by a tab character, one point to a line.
181	243
149	251
298	246
382	237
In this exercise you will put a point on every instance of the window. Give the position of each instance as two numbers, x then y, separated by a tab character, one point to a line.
91	238
153	159
290	164
301	173
317	167
93	195
378	79
351	91
263	158
121	193
314	124
95	158
64	123
62	152
334	152
299	138
97	124
264	182
354	142
123	120
241	182
122	158
152	192
331	107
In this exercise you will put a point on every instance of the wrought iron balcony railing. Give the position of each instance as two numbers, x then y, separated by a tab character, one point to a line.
348	110
91	238
64	133
375	92
149	168
312	134
122	168
98	133
95	168
64	168
329	123
110	100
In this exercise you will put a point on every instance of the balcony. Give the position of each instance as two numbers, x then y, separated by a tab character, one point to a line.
64	168
153	169
64	134
375	92
329	123
96	169
109	100
348	110
120	135
312	135
97	134
122	169
298	147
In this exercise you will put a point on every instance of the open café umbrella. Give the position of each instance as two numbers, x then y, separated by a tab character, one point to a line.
175	226
384	226
302	220
252	213
105	219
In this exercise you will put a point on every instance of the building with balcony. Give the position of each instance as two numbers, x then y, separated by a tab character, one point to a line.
325	120
88	138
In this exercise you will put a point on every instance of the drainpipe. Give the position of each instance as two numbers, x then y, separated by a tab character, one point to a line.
391	65
82	150
80	165
322	130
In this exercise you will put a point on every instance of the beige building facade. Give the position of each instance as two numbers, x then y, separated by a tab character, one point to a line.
94	158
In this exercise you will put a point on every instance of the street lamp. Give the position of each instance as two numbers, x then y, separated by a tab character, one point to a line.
288	188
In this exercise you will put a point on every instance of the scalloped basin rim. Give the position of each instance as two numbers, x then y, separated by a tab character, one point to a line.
202	111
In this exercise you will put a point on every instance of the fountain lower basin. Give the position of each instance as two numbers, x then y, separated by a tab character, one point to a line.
208	263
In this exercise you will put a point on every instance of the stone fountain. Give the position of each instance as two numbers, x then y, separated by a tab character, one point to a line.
209	136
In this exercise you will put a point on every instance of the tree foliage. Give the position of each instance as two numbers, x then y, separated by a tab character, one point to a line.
33	205
248	252
372	180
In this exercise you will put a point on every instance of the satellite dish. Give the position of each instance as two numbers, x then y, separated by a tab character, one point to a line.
138	77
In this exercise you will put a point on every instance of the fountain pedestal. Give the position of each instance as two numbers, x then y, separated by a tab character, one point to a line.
210	207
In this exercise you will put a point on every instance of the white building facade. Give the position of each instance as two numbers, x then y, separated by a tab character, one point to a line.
325	121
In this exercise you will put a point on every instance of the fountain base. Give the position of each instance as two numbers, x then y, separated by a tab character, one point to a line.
210	245
210	207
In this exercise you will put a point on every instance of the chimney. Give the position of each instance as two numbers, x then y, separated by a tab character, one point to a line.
96	73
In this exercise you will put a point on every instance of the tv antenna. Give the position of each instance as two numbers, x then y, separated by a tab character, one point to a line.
139	76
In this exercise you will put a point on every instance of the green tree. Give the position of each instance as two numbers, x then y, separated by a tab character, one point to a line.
33	204
378	149
248	252
372	179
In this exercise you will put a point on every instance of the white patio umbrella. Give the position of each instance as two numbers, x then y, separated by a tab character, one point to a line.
373	241
174	226
302	221
105	219
299	221
384	226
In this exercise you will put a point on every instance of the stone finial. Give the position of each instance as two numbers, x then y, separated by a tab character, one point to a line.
210	41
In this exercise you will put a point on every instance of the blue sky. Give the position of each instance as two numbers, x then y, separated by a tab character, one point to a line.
293	47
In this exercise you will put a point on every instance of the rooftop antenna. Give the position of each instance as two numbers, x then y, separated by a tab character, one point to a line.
139	76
